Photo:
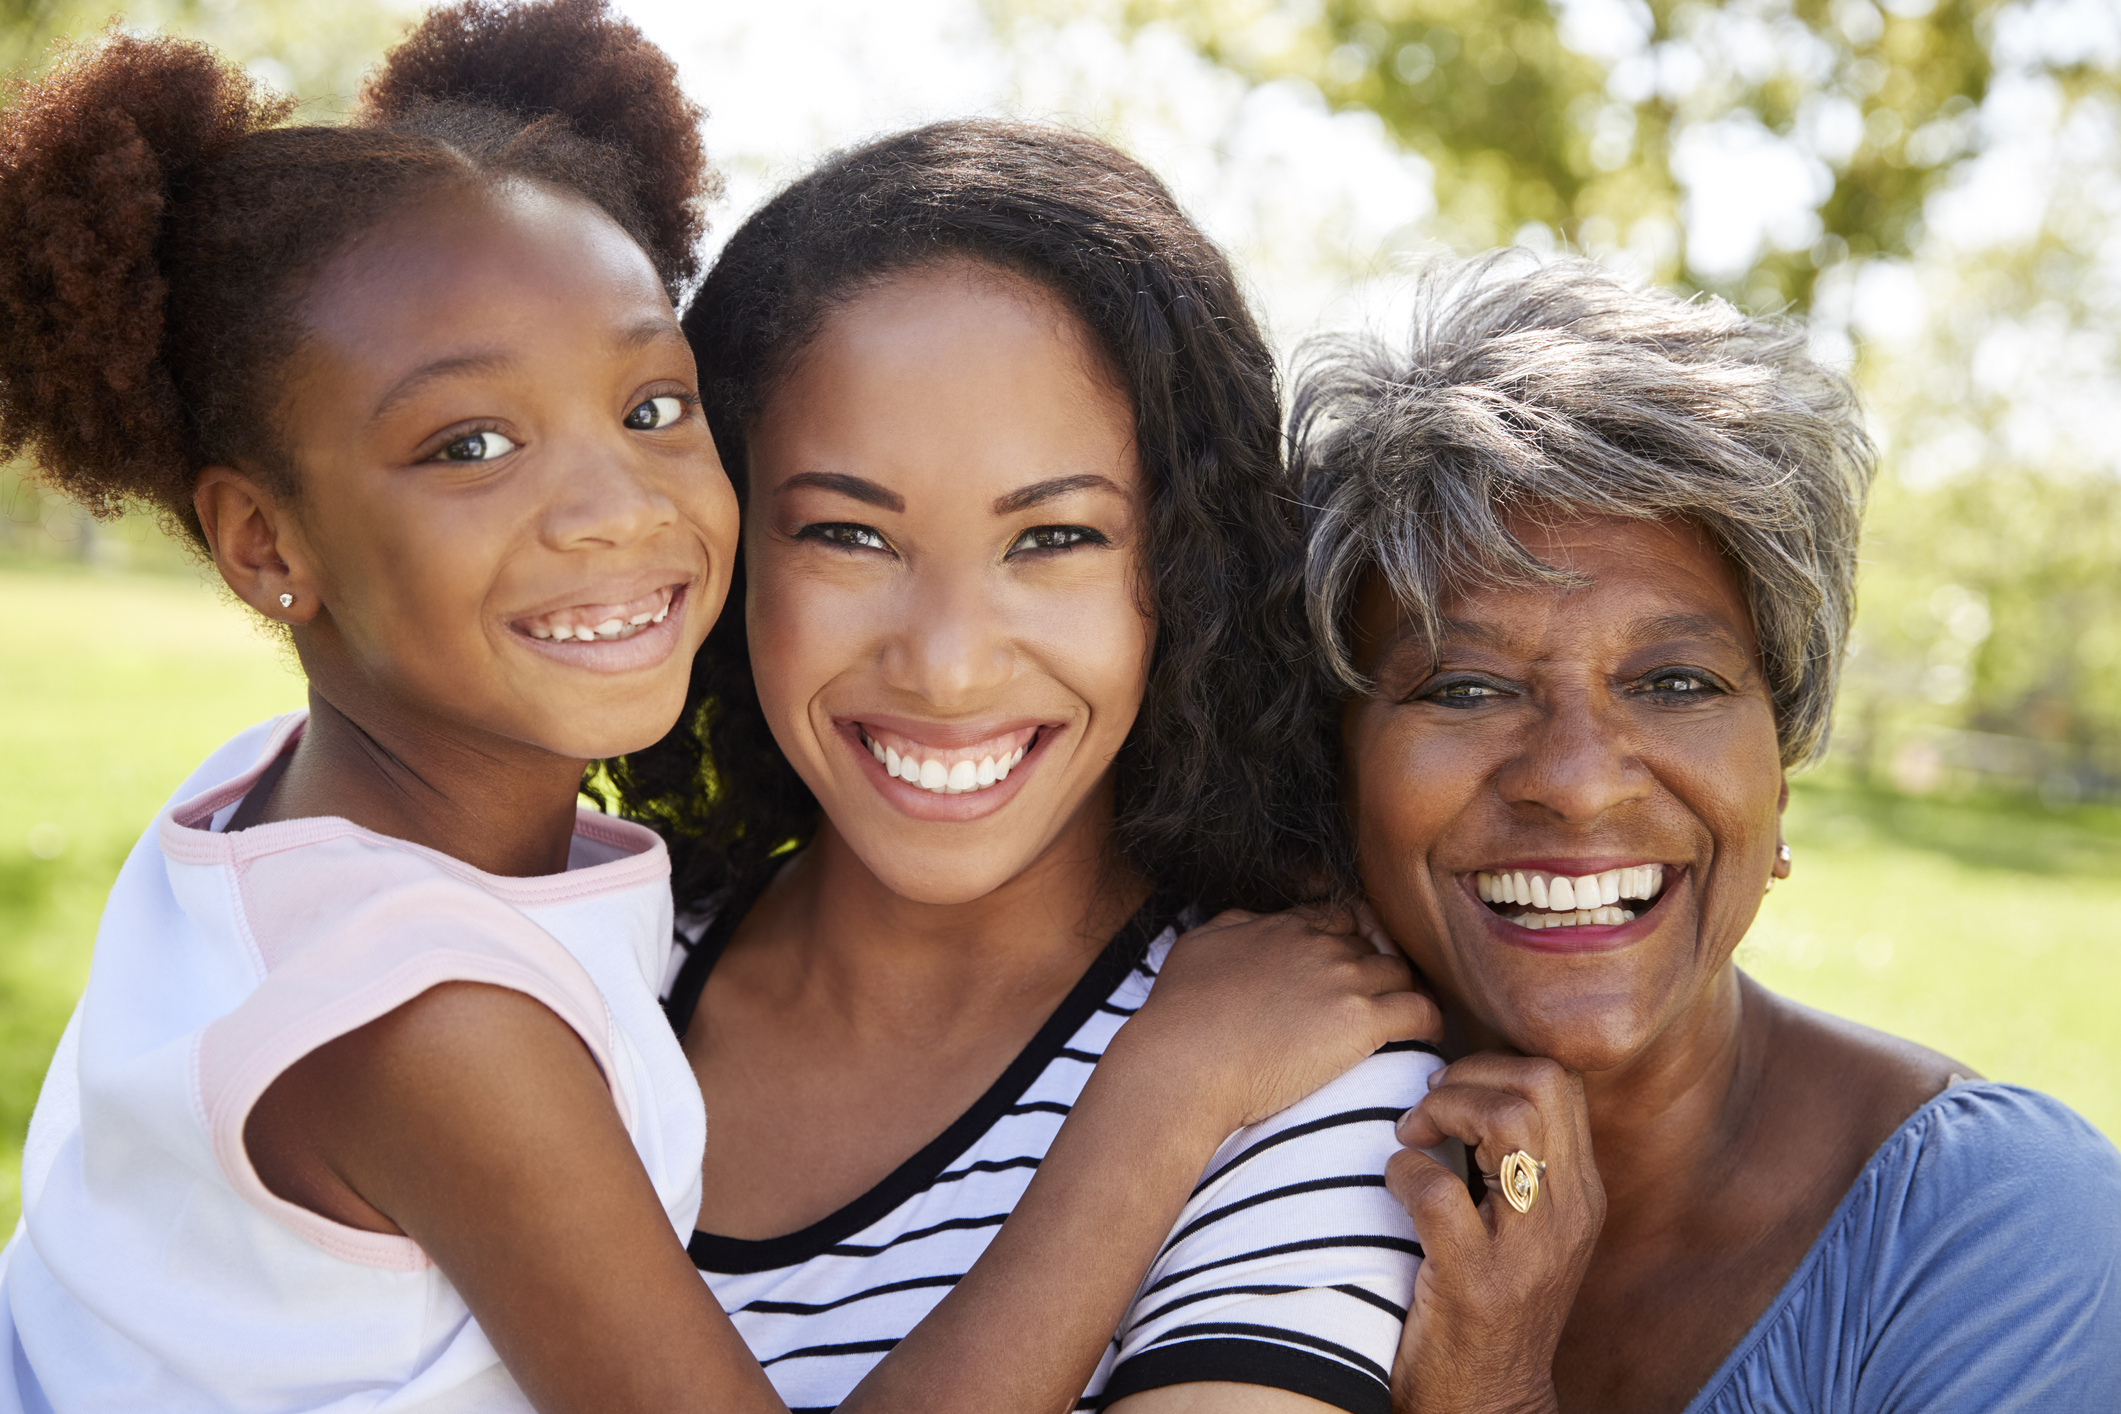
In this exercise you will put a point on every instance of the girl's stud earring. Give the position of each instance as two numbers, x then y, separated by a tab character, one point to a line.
287	601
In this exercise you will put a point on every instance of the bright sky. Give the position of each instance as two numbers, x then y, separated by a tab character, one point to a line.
1317	209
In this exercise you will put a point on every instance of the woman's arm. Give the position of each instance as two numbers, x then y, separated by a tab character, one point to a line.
1248	1015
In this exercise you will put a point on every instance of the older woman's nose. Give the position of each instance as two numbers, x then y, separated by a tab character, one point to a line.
1576	761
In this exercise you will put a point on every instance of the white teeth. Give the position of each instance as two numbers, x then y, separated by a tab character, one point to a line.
610	628
1565	902
1561	894
890	762
934	775
987	775
638	619
964	776
909	769
1539	890
660	615
541	633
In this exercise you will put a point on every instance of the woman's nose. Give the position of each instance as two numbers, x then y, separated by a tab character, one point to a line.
1576	760
951	646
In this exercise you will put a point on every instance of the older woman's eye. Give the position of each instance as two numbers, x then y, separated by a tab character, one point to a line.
1680	683
851	537
1462	692
655	413
1055	537
475	447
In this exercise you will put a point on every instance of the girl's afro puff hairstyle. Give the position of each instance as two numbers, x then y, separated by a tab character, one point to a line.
159	223
1221	785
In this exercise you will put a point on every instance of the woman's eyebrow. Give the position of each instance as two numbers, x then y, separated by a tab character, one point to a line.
839	482
1025	497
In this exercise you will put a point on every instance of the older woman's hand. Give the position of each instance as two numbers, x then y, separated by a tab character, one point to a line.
1496	1285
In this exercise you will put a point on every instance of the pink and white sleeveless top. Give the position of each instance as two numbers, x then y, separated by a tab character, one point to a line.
153	1270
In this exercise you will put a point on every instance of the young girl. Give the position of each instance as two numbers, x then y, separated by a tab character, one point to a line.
369	1104
1009	697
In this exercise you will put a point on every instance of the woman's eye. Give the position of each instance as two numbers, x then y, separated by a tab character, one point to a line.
1055	537
476	447
655	413
854	537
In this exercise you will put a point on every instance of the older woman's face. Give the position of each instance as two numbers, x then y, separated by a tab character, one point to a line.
1619	734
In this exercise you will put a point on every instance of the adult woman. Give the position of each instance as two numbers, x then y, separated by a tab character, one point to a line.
993	717
1582	558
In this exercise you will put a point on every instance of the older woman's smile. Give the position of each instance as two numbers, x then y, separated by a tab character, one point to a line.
1570	906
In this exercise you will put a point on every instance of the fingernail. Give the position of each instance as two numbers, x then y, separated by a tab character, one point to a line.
1436	1076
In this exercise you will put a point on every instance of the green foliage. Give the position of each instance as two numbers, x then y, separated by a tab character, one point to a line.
316	52
1523	128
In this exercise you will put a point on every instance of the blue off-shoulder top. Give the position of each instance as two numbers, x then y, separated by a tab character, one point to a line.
1974	1267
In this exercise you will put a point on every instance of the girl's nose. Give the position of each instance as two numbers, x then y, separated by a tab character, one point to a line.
604	498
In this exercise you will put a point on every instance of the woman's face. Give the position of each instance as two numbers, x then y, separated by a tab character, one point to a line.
1619	733
943	548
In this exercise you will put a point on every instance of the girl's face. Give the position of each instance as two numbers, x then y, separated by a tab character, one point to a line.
511	522
946	606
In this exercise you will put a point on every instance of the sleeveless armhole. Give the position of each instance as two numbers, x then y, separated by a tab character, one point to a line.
383	952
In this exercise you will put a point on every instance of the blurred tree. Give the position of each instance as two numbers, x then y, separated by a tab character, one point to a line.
1576	114
317	52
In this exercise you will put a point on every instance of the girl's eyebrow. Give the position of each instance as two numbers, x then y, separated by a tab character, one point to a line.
1024	498
485	361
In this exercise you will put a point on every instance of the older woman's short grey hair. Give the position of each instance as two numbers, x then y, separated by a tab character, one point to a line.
1553	386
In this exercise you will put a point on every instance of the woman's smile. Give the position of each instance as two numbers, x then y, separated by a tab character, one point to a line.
931	771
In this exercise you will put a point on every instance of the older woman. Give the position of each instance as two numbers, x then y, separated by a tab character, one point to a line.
1581	561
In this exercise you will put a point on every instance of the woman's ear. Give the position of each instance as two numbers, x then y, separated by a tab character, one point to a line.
255	545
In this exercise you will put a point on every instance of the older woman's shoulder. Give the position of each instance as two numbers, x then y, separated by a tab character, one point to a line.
1974	1265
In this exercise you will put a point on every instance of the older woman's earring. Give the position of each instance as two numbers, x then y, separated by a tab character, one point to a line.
287	601
1782	862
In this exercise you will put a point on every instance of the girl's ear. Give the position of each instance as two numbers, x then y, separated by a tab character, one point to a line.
255	545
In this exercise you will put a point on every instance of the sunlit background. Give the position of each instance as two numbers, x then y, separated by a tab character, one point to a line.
1934	184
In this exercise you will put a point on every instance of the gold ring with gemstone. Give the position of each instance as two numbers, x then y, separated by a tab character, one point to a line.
1519	1179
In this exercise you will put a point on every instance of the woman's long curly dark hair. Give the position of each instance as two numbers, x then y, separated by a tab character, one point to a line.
1222	785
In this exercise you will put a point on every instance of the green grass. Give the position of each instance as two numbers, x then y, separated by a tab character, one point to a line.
1987	929
114	688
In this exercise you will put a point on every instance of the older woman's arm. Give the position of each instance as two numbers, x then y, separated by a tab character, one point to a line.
1496	1285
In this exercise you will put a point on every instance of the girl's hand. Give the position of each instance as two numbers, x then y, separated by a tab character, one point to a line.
1496	1285
1257	1011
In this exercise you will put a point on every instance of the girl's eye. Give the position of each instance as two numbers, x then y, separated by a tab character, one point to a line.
853	537
476	447
655	413
1055	537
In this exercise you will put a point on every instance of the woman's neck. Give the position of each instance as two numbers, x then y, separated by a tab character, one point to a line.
500	807
856	946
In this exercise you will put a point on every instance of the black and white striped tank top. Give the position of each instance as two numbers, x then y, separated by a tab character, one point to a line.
1290	1266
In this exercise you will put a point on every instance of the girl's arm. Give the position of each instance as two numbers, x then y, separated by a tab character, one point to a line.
474	1121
